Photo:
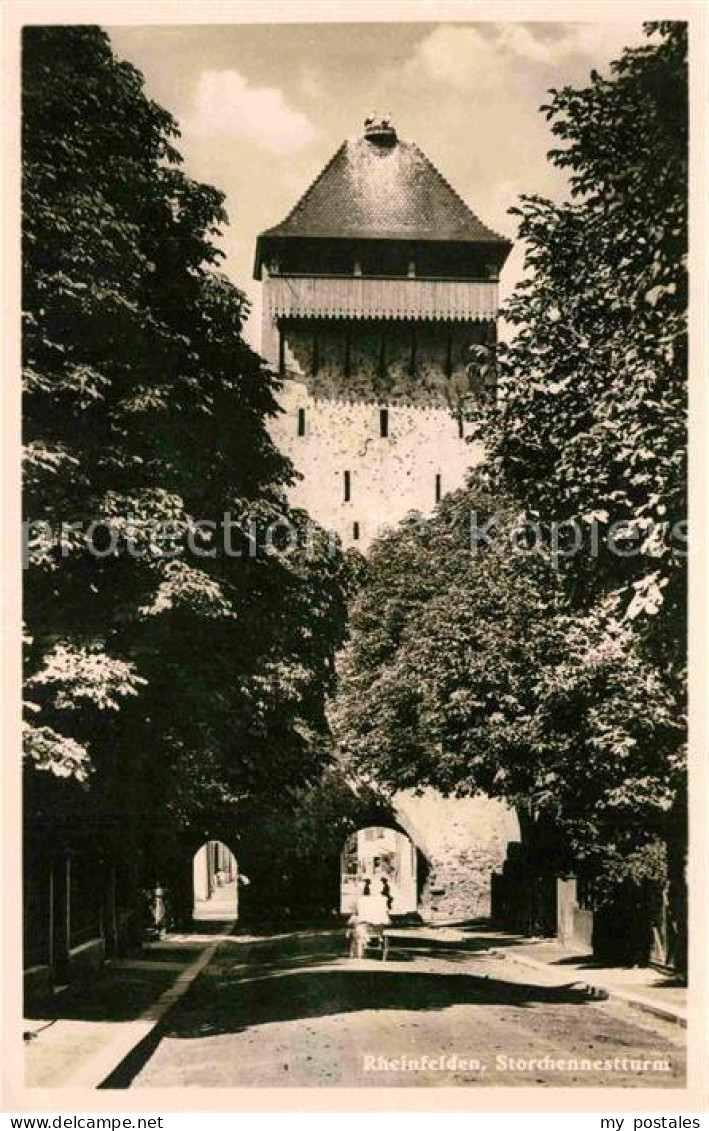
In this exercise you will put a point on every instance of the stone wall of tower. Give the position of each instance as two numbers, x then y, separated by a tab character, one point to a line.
339	376
351	474
384	362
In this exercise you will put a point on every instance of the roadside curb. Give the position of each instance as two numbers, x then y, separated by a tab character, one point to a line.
666	1012
96	1070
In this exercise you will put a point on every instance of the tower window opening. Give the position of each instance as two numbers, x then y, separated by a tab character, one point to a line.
461	427
315	363
384	422
355	531
301	421
438	488
383	356
347	483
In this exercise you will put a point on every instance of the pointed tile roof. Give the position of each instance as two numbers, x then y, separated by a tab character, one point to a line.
378	187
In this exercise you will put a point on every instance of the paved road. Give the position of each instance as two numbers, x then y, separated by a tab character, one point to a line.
290	1009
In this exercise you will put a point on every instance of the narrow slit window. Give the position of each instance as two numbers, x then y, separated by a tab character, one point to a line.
383	356
438	488
315	355
461	426
301	421
449	354
347	483
384	422
355	532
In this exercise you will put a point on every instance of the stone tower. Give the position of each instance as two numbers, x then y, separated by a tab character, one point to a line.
375	287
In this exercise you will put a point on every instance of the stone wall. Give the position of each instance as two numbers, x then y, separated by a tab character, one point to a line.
390	476
464	841
382	362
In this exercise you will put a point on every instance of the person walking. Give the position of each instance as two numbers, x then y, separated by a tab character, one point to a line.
368	922
386	892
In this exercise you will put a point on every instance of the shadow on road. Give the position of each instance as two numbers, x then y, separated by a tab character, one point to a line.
662	981
291	976
122	990
221	1003
262	982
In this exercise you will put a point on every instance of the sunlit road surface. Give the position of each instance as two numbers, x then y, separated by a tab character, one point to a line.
292	1009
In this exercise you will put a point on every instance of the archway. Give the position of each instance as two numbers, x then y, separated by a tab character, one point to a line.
374	852
215	882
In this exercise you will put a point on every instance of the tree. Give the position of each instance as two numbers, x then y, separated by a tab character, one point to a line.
589	426
589	429
182	621
291	848
467	671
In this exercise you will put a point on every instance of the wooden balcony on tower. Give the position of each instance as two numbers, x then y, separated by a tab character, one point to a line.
359	297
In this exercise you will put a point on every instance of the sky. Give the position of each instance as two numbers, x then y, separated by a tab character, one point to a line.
262	108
